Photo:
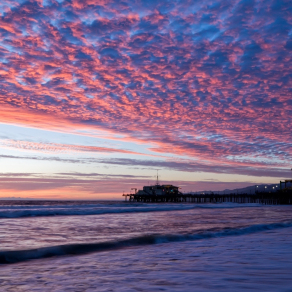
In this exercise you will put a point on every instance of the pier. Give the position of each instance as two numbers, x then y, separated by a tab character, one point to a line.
276	198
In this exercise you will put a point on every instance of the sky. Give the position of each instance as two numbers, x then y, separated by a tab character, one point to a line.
96	96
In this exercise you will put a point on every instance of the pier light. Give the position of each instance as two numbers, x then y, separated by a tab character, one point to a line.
265	187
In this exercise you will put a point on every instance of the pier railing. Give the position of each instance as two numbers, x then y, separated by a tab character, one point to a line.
277	198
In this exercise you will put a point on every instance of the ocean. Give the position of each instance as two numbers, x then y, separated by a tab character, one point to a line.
122	246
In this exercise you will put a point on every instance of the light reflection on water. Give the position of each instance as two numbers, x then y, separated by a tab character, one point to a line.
253	261
35	232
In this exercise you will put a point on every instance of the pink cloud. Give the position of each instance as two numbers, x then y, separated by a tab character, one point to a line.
206	83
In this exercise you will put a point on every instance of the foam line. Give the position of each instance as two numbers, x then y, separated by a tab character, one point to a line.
40	211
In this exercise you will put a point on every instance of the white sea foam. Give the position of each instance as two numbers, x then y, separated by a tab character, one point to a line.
19	211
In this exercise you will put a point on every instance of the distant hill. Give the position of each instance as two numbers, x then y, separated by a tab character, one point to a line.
248	190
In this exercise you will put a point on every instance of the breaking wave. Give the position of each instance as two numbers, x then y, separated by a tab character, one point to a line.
73	210
8	257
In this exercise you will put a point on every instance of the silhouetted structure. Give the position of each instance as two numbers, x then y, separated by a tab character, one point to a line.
159	190
170	193
276	198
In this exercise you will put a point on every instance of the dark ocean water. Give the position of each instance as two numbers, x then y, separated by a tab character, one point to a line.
119	246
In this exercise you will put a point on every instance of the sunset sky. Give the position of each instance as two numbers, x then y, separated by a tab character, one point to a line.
95	96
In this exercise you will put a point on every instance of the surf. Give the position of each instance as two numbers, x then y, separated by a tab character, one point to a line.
16	256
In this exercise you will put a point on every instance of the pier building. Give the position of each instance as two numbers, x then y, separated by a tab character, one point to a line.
158	190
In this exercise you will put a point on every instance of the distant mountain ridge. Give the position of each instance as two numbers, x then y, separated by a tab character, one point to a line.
247	190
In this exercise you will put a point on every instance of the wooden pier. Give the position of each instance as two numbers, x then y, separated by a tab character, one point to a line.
275	198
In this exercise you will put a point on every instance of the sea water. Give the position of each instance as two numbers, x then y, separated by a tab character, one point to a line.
122	246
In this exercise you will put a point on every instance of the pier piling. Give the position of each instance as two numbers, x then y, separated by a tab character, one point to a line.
278	198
